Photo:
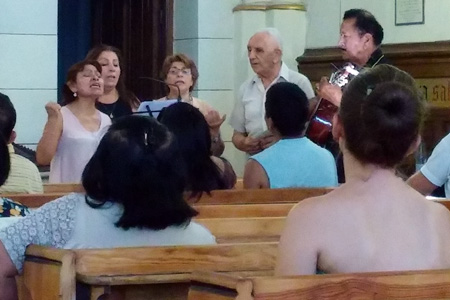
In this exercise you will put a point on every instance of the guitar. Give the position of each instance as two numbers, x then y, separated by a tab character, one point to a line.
320	124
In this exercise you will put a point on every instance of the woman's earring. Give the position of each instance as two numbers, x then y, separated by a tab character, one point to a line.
75	94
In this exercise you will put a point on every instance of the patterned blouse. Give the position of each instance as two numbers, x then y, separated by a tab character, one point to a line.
9	208
70	223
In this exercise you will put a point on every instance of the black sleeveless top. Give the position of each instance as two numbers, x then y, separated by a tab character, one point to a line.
114	110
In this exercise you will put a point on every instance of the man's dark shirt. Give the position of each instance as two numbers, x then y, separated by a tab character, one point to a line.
377	58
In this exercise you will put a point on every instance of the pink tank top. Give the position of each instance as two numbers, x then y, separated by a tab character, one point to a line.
76	146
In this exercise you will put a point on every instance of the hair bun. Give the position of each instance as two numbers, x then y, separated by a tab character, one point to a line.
382	114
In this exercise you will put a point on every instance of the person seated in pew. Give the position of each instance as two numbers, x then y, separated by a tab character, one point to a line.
435	172
294	160
375	221
134	197
24	176
205	172
8	208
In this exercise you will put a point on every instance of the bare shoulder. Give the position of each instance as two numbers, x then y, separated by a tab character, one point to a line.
330	204
255	175
311	206
440	211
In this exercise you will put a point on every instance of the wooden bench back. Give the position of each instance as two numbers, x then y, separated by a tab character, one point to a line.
239	184
426	284
242	230
34	200
78	188
243	210
242	203
47	274
261	196
172	263
163	272
217	197
63	188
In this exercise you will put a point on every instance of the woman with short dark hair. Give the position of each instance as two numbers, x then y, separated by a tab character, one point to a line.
375	221
134	197
73	131
181	74
204	171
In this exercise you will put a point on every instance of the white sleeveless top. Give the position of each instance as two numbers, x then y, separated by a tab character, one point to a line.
75	147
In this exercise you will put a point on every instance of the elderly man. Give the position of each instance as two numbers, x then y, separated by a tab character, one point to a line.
247	119
360	40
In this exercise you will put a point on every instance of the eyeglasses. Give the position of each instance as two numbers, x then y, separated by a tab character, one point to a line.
176	71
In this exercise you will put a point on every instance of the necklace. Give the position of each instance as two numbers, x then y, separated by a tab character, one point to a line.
108	108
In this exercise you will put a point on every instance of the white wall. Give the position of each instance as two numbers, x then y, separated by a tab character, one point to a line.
28	61
324	21
203	29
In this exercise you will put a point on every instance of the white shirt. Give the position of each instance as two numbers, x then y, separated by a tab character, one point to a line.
249	111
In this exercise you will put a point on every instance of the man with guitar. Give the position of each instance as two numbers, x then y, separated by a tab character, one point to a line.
247	119
360	40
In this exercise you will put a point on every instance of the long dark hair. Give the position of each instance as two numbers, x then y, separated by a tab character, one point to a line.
124	94
191	130
138	164
4	160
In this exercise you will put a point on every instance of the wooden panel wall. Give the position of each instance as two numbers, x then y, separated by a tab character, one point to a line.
421	60
143	30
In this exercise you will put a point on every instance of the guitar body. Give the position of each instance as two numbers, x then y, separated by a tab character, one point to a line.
320	124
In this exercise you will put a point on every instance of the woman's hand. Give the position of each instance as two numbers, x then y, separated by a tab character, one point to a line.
214	120
48	143
53	110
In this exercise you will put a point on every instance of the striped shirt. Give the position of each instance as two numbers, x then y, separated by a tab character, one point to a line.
23	177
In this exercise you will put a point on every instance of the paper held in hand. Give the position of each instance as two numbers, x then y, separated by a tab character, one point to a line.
153	108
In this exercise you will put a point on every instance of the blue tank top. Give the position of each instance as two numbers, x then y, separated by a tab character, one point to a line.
298	162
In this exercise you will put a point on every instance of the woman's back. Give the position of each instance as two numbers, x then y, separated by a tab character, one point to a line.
379	225
375	221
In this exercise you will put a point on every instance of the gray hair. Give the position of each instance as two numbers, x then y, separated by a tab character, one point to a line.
274	34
